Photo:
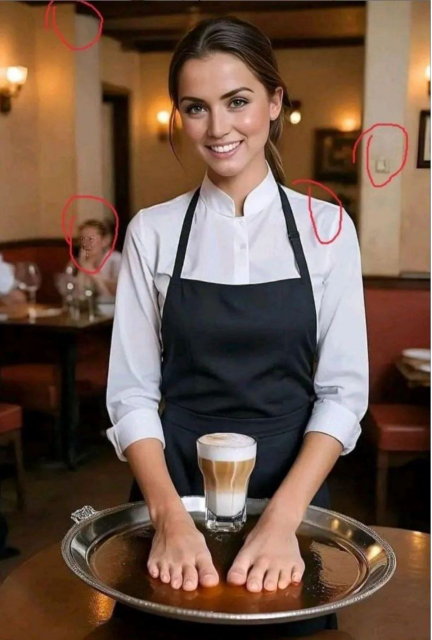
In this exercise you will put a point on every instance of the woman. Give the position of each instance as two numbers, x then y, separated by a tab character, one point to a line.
95	240
230	287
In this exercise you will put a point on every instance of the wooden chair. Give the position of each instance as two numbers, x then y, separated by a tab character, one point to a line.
401	433
10	433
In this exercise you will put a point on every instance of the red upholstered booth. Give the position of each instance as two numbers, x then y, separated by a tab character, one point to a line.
398	317
51	255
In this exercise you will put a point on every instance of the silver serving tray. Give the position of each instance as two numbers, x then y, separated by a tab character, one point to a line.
346	562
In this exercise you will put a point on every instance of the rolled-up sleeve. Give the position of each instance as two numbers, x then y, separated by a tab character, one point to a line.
134	375
342	372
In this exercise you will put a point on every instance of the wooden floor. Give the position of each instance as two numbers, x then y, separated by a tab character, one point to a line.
104	481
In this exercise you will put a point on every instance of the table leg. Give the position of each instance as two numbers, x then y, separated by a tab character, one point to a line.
69	411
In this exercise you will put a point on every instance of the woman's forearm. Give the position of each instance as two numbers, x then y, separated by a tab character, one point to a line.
147	461
314	462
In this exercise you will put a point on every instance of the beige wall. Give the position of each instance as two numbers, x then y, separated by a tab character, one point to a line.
415	200
121	69
56	126
394	219
19	178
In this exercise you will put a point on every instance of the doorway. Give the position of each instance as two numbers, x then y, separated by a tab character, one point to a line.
116	154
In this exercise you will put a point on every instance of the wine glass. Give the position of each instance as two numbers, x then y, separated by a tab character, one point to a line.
90	289
28	279
67	286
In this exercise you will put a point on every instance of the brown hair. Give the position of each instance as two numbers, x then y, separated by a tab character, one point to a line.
96	224
242	39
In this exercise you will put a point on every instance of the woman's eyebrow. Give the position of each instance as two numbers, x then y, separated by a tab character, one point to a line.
225	95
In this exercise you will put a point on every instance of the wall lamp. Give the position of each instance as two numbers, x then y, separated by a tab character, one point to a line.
12	80
295	113
162	118
427	74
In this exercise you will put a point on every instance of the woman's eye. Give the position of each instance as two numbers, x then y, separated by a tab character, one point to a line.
198	106
240	100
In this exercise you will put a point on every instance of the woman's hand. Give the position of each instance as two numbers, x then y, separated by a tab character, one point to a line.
269	558
179	554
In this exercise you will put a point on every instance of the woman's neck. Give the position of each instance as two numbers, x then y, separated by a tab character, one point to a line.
240	185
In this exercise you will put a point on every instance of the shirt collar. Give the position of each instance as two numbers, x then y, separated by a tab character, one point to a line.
257	200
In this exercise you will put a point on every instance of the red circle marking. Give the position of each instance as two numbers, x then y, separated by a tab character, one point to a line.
68	235
368	144
311	212
59	33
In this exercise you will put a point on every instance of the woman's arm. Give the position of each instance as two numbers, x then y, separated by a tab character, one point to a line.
179	553
147	461
341	385
341	379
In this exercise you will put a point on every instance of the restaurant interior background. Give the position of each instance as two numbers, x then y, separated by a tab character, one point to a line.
94	122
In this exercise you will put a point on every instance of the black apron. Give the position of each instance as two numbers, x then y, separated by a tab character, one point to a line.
239	358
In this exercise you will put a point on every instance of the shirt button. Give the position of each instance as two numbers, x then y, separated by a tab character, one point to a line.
243	246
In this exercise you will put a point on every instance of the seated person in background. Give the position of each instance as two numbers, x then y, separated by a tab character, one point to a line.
9	293
95	241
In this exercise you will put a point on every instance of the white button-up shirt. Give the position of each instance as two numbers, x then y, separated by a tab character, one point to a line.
230	249
7	277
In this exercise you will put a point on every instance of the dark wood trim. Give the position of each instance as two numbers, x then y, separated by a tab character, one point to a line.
113	9
33	242
412	281
120	99
397	282
114	90
421	163
284	43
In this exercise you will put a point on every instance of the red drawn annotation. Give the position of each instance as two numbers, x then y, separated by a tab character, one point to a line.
52	9
368	144
311	212
68	232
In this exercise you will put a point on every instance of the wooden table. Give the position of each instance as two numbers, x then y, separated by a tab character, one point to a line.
413	377
44	600
63	333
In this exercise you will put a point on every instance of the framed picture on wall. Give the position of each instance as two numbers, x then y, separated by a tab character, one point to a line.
424	141
333	156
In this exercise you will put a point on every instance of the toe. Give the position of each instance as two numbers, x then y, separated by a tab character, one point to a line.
271	580
176	576
190	578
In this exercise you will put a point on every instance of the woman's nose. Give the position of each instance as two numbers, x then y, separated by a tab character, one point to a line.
218	126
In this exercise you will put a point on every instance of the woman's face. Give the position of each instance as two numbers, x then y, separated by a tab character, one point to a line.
211	119
92	242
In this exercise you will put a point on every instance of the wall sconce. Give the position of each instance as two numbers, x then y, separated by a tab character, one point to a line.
163	124
295	114
427	74
12	81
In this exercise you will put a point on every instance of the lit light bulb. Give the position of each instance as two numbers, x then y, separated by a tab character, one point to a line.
295	117
163	117
16	75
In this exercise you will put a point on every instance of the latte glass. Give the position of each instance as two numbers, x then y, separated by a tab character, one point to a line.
226	461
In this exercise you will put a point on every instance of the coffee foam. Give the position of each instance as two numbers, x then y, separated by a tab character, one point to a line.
226	447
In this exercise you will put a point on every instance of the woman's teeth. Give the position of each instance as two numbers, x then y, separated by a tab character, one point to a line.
225	148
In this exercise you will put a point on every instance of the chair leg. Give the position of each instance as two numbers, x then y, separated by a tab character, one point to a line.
20	475
381	487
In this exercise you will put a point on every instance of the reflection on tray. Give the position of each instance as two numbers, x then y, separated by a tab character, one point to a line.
331	573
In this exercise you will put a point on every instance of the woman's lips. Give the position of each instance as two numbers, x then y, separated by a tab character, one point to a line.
227	154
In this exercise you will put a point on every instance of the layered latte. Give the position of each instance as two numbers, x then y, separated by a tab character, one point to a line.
226	461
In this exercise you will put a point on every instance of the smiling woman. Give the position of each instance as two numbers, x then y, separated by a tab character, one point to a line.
230	310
